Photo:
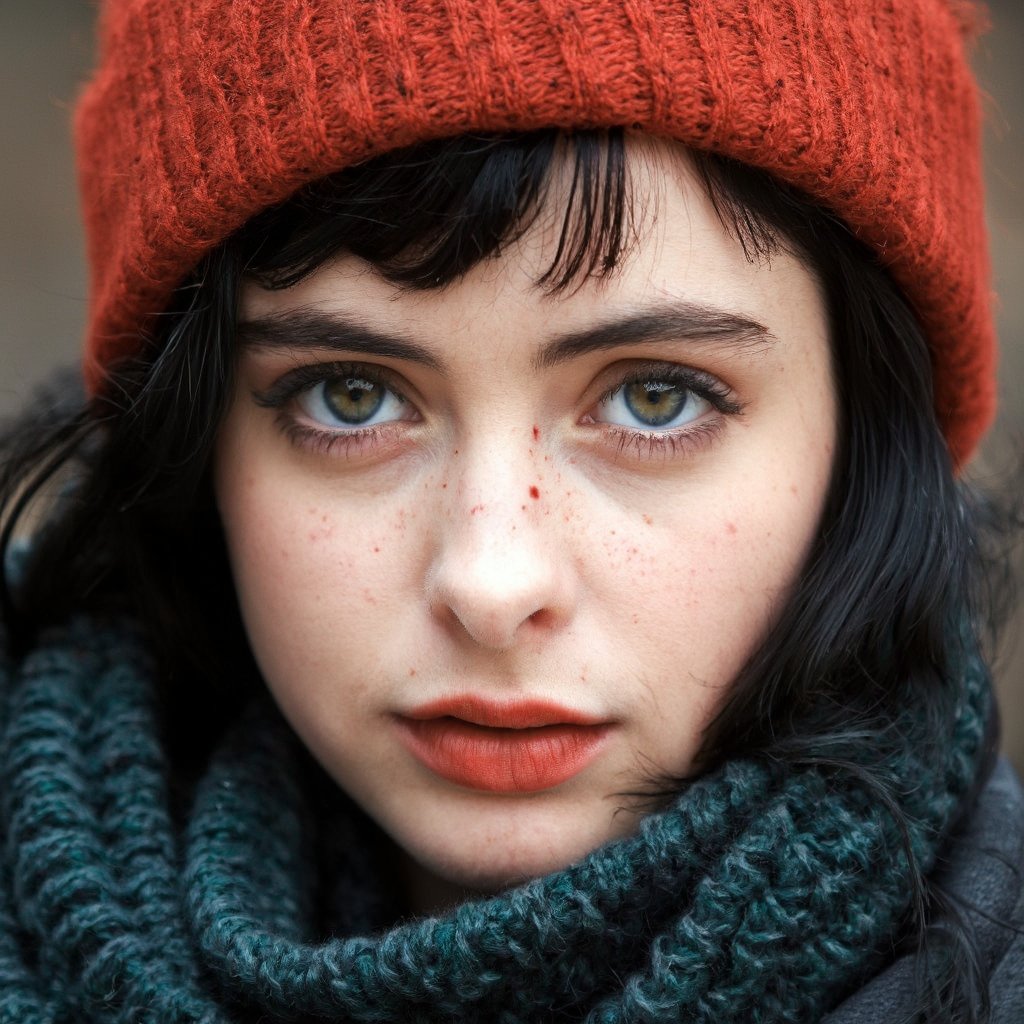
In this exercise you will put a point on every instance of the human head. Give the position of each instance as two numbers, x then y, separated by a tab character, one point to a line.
597	497
778	689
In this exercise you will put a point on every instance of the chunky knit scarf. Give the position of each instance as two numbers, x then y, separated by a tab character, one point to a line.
760	895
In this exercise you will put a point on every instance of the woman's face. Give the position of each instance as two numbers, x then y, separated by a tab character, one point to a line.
500	554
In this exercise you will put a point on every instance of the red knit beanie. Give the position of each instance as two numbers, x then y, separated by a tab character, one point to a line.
204	112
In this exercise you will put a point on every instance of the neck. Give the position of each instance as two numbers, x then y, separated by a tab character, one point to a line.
427	893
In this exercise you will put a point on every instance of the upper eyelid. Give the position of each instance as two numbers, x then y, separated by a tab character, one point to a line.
700	382
305	377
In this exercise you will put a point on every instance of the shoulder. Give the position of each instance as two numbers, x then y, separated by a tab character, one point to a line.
983	871
1005	834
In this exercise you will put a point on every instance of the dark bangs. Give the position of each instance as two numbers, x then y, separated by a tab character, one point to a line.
426	216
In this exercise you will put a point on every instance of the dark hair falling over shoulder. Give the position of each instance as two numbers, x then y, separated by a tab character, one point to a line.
885	612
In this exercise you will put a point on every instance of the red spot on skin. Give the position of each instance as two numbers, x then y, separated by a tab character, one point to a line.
534	493
376	551
412	672
536	432
444	487
730	527
648	520
476	508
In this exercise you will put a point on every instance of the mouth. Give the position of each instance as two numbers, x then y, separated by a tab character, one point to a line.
519	747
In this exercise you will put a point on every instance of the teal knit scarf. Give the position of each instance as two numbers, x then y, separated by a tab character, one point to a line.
759	895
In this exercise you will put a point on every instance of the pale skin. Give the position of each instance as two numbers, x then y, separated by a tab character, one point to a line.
506	526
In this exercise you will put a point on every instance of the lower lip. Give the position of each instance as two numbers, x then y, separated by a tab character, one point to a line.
502	760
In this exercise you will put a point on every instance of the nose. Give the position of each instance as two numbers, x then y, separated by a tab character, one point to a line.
501	573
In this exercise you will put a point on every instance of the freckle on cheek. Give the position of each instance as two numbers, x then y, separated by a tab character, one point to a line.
648	520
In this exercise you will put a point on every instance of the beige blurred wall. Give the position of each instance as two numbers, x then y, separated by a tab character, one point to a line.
45	46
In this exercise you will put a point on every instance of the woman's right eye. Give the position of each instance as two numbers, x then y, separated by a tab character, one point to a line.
351	401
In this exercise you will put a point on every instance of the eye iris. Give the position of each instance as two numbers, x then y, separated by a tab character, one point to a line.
655	402
352	399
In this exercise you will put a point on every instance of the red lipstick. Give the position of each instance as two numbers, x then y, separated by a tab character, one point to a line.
519	747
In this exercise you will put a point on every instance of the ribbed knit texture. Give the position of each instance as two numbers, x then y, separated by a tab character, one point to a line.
203	112
759	896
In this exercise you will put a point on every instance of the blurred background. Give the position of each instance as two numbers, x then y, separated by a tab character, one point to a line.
45	50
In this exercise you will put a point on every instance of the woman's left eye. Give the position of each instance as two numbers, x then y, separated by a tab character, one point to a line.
652	403
351	401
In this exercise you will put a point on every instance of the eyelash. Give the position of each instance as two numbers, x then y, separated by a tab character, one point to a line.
326	442
647	443
690	438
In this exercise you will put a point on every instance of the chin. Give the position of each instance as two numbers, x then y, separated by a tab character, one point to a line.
507	849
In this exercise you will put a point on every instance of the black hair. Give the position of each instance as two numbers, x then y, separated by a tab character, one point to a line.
883	612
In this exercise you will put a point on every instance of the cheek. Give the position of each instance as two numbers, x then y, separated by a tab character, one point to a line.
701	583
317	578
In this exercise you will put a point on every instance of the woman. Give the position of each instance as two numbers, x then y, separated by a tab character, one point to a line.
508	563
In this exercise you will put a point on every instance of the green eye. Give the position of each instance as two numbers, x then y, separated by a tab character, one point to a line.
653	404
351	401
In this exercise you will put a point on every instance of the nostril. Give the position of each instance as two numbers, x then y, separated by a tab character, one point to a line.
542	617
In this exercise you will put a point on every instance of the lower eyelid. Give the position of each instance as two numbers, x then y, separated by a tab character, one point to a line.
341	443
649	443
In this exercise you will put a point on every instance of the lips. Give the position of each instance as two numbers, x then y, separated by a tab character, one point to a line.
520	747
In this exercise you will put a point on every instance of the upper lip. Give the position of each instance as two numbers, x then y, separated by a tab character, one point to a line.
516	714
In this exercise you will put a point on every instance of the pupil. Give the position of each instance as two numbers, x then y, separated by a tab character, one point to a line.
353	400
655	402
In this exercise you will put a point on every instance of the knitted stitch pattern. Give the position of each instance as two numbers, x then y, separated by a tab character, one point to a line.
759	896
204	112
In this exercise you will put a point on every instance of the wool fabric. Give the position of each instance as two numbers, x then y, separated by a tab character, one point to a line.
204	112
761	894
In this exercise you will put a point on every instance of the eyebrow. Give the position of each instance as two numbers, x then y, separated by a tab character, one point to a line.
686	322
683	322
315	329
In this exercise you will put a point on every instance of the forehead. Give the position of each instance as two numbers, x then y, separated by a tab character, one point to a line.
678	251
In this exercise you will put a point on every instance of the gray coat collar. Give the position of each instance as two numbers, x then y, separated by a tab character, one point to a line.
983	870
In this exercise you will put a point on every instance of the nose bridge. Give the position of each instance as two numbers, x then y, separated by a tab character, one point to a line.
498	567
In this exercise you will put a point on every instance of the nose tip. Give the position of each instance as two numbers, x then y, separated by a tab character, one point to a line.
493	630
496	586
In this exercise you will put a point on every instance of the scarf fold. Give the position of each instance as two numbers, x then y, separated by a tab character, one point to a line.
760	894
